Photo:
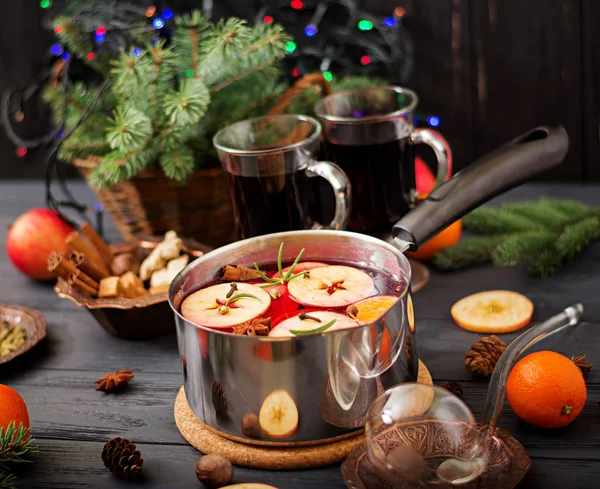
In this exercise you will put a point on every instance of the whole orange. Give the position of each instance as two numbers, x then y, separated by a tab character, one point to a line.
12	408
546	389
448	237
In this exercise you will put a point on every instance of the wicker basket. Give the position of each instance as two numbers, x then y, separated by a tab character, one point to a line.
151	204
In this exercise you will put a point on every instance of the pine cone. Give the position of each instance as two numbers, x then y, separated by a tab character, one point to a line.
483	355
121	458
455	388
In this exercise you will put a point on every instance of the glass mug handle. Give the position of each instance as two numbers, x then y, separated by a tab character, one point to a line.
441	149
341	189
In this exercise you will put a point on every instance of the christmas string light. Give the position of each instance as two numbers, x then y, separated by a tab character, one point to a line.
45	3
433	121
365	60
158	23
365	25
297	4
137	52
150	11
290	47
21	151
312	27
167	14
56	49
389	22
267	19
296	72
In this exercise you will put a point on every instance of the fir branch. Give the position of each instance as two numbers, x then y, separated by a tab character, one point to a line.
178	164
117	167
521	246
7	480
15	444
187	105
191	31
130	129
578	236
468	252
493	220
132	77
545	263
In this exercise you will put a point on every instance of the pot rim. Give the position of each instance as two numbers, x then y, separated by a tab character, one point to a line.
250	241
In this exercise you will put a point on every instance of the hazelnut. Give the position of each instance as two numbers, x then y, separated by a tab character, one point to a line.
123	263
214	470
251	425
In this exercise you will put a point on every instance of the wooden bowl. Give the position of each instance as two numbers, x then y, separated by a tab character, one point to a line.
29	319
131	319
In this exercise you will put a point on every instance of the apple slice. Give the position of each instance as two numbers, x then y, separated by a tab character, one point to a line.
249	485
493	312
209	307
278	416
332	286
306	322
301	267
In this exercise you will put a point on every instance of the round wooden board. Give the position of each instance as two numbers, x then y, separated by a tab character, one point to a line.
204	439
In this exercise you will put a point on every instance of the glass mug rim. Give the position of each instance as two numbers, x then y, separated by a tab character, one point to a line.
310	138
320	111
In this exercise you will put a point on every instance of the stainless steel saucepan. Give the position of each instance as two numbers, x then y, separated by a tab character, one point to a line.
333	377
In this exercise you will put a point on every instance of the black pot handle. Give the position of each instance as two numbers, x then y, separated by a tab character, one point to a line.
510	165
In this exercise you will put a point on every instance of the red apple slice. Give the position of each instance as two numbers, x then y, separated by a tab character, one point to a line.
306	322
207	306
301	267
332	286
278	416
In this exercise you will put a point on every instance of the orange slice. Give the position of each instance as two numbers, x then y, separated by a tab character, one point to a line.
493	312
373	308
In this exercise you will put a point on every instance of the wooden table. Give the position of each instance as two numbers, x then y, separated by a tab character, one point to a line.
71	421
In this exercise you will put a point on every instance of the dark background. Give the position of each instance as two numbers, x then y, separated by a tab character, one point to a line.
490	69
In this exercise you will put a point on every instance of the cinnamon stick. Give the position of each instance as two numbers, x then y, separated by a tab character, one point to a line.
85	278
82	263
78	284
97	242
58	265
96	267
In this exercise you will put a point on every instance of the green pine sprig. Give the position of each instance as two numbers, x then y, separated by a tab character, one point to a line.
543	234
16	445
7	480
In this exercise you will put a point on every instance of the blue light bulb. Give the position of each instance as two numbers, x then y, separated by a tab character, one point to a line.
167	14
433	121
56	49
310	30
137	52
389	22
158	23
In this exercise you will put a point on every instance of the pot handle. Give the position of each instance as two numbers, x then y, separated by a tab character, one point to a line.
510	165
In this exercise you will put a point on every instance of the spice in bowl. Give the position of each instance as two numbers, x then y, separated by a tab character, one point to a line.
12	337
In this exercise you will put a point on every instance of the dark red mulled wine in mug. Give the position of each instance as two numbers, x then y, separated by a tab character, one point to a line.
369	133
269	163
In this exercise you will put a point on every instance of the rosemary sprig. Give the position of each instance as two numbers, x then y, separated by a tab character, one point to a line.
240	296
283	278
320	329
15	444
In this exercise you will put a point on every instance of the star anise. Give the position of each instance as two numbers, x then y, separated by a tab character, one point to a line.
256	327
114	382
579	360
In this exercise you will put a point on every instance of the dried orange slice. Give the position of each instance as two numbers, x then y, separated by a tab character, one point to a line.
493	312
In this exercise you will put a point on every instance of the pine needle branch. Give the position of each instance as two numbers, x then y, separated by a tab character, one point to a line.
7	480
468	252
15	445
543	234
514	249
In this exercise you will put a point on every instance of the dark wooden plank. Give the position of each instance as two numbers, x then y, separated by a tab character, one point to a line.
66	465
590	35
442	72
526	72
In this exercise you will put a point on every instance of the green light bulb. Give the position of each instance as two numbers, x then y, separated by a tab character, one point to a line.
189	73
327	75
365	25
290	47
45	3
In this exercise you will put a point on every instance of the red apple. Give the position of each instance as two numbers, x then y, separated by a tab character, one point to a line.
31	239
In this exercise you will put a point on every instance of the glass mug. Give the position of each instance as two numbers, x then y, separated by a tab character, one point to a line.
369	132
268	162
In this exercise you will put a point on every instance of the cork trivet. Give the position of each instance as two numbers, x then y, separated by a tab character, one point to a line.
204	439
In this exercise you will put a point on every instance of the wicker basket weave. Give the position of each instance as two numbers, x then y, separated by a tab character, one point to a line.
151	204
